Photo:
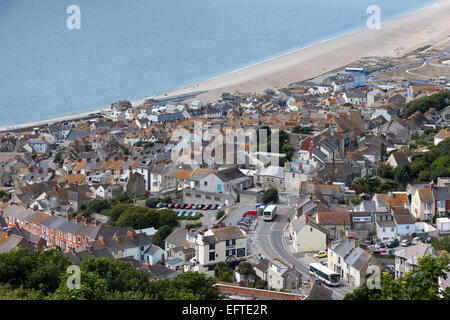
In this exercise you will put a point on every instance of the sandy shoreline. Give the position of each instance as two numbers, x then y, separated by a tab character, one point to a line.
428	26
396	38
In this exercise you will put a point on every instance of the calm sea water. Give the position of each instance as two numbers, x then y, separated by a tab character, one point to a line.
138	48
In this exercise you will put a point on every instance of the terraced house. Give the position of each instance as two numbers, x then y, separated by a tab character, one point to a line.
66	233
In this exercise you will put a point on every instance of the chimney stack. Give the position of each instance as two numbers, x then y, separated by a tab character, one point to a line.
101	240
431	185
68	216
35	207
69	172
130	233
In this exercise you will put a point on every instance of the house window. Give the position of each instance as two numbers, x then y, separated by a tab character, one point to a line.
392	229
233	242
212	256
407	227
205	183
212	246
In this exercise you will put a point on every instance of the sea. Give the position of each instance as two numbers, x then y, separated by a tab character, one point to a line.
139	48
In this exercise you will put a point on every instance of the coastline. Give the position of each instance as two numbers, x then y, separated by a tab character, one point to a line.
427	26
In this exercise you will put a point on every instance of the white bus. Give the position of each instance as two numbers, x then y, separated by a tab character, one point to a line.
269	212
327	276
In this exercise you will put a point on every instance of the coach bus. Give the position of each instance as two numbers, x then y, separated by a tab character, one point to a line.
325	275
360	70
269	212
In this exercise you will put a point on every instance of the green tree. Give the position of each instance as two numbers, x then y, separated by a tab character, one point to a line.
223	272
438	101
441	243
97	206
386	171
403	173
355	201
219	214
289	150
92	287
420	284
302	130
160	235
270	195
38	270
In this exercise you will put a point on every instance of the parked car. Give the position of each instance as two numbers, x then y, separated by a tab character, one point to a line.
196	213
417	240
207	207
177	205
392	244
183	206
180	214
189	213
214	206
429	239
405	243
243	223
244	228
380	245
385	252
320	254
161	205
183	213
190	206
171	205
220	206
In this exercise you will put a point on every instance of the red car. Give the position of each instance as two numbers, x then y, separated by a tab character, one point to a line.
177	205
189	206
171	205
207	207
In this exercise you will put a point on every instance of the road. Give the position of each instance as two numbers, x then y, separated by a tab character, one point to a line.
374	75
270	240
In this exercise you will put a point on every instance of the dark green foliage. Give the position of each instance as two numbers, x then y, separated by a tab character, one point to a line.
223	272
97	206
403	173
302	130
433	164
193	225
355	201
441	243
160	235
37	270
438	101
270	195
386	171
371	185
219	214
421	284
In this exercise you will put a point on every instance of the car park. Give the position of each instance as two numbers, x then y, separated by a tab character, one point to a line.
405	243
183	206
190	206
196	213
189	213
